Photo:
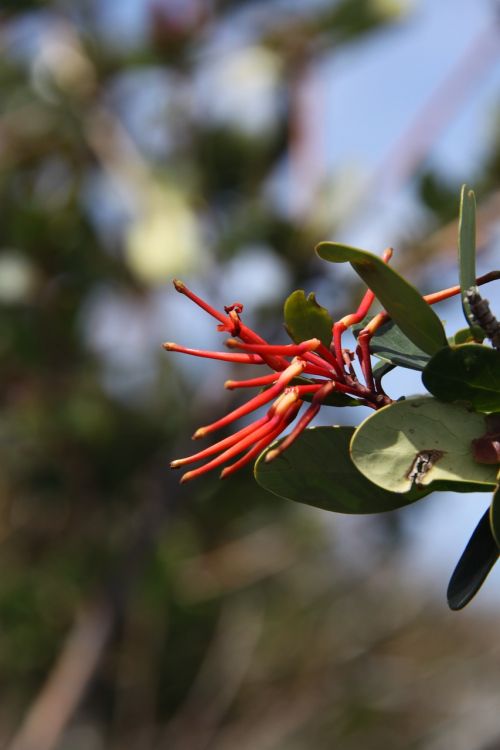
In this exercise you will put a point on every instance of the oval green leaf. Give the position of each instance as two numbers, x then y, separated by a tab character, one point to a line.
477	560
421	441
467	247
469	373
317	470
400	299
306	319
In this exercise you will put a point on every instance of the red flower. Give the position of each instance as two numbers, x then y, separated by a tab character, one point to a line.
321	371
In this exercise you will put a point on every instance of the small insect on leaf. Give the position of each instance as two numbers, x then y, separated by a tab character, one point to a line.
483	317
424	461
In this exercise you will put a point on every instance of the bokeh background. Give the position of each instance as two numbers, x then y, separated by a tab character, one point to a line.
219	141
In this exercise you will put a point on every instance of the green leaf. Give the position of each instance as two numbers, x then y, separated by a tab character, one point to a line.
422	441
469	373
317	470
401	300
390	344
477	560
495	516
467	247
306	319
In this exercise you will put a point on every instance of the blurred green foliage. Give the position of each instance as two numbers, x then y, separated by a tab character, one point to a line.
235	621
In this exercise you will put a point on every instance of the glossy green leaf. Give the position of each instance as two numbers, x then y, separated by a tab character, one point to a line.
402	301
495	515
306	319
422	441
477	560
467	247
391	345
317	470
469	373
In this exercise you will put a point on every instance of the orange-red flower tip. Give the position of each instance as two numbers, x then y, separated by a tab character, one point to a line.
176	464
169	346
200	432
187	476
179	285
271	455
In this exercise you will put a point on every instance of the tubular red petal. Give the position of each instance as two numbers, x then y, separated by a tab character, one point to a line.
228	324
220	446
247	359
301	425
251	382
363	352
356	317
288	350
329	357
317	366
262	444
269	427
183	289
294	369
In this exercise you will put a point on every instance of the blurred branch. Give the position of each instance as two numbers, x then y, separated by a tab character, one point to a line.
80	656
65	686
234	565
443	242
219	678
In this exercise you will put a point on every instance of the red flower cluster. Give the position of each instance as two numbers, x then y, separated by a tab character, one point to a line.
308	370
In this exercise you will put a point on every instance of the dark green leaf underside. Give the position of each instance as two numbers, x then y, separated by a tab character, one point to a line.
317	470
478	558
468	373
